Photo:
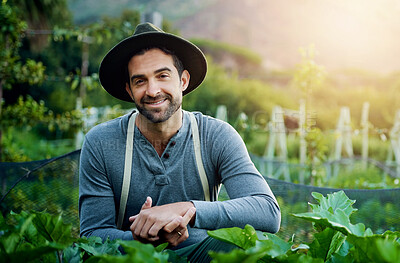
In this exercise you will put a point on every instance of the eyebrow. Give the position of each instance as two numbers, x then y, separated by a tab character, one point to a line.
155	72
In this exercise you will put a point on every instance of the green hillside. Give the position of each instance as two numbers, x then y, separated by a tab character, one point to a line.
86	11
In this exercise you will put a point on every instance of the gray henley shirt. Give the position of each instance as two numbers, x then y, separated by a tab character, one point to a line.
173	177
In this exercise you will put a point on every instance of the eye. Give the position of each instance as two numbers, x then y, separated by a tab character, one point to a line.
163	75
138	82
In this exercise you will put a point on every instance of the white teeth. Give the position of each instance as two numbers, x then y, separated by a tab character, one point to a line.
159	102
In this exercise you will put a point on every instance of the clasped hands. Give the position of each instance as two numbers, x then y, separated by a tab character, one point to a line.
165	223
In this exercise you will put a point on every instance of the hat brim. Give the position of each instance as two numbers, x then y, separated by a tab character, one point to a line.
112	71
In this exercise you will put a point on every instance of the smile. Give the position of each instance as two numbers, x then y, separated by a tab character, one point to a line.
156	102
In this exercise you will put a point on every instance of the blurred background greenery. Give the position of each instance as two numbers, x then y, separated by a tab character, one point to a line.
261	54
51	50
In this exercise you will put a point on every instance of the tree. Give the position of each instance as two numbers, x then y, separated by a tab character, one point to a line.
13	70
42	16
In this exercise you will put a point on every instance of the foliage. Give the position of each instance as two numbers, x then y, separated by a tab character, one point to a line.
316	154
34	235
309	76
12	69
336	240
41	236
28	113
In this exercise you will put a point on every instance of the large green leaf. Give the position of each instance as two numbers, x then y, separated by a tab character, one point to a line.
334	211
28	252
326	243
244	238
267	249
338	221
52	228
389	250
375	248
332	202
12	235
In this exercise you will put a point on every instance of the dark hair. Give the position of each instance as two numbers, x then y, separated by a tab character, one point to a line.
177	62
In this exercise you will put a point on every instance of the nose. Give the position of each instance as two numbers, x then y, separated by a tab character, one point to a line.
153	88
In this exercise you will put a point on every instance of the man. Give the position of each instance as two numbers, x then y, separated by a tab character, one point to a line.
147	175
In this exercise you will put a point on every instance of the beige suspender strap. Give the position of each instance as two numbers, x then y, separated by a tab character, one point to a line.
199	161
128	164
127	170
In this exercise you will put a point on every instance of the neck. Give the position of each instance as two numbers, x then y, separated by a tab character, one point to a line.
159	134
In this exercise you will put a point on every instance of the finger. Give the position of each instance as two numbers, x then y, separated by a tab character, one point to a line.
180	223
171	226
182	228
184	236
147	203
188	216
175	238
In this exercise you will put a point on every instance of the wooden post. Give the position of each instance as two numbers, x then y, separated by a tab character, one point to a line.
277	138
364	132
303	143
343	133
222	113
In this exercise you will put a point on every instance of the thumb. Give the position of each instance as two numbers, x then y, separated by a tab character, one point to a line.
148	203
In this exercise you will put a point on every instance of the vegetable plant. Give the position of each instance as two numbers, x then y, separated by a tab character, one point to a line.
39	236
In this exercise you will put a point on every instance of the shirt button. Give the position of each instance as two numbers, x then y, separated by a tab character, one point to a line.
166	155
173	143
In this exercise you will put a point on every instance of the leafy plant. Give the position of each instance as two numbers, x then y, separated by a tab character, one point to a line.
336	240
40	236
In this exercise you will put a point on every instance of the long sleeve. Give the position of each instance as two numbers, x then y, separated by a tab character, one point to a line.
97	210
251	200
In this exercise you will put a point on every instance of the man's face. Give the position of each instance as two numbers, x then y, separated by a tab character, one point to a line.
155	85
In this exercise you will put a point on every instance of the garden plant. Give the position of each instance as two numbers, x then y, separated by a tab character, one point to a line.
39	236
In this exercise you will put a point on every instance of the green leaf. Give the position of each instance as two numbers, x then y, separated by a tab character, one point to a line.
278	242
161	247
52	228
339	221
235	256
326	243
74	84
72	254
295	258
243	238
389	250
29	253
374	248
333	211
13	235
265	250
335	201
96	247
139	252
268	249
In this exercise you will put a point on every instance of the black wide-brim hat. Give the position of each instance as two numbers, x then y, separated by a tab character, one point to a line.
113	68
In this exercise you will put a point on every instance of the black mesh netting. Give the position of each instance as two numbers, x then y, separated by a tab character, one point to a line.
52	185
47	185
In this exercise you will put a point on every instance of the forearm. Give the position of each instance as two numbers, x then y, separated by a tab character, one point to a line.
262	212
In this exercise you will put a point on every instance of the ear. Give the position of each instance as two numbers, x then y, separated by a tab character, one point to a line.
185	78
128	89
